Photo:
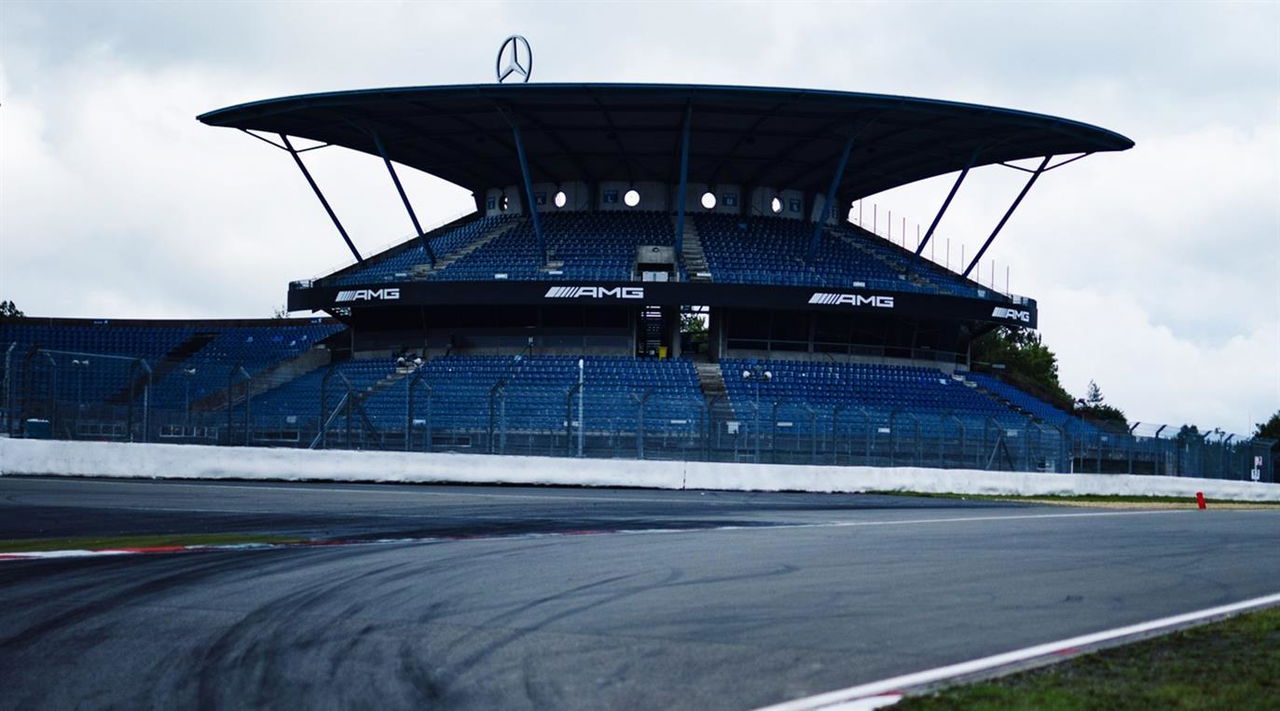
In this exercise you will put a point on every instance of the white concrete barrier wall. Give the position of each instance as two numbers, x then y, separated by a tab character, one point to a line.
168	461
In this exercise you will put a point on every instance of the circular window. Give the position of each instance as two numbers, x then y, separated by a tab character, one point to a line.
561	199
504	203
776	206
709	200
632	198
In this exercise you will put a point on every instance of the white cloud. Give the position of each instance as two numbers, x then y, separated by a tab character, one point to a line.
1151	373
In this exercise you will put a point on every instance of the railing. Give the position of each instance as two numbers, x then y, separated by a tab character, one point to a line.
52	397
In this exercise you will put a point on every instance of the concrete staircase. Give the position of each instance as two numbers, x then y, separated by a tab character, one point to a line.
162	367
695	260
387	381
998	398
317	356
714	392
422	271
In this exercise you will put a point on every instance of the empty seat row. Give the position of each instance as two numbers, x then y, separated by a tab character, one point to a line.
815	394
531	393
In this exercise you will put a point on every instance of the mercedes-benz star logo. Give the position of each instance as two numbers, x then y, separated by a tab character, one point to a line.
515	58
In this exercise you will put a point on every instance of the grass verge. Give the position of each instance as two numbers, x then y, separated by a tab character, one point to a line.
1091	499
1234	664
28	545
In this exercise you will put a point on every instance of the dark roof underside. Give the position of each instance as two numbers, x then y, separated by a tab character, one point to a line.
782	138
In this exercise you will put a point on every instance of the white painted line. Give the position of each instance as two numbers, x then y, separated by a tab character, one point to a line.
898	684
72	553
1011	517
869	703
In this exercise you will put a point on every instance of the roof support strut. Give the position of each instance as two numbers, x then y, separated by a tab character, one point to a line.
529	201
1014	206
311	181
684	178
945	204
831	196
413	217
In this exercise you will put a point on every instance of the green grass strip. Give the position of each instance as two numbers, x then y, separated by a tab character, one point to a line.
1234	664
1085	498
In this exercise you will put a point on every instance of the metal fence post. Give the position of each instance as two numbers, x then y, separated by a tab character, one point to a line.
411	409
813	433
640	422
893	436
773	431
146	405
7	409
53	394
408	414
866	436
426	435
324	406
568	418
711	429
835	432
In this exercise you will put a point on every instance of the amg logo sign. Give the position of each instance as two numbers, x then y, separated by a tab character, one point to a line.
1011	314
367	295
880	302
595	292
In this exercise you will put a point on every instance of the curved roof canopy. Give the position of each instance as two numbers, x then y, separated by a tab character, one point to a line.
783	138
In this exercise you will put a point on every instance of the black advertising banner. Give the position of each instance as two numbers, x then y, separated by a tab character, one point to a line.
750	296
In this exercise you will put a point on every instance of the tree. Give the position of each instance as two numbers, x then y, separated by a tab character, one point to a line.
693	323
8	309
1093	396
693	326
1187	432
1270	430
1095	408
1028	363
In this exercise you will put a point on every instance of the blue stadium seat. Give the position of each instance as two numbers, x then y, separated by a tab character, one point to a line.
814	393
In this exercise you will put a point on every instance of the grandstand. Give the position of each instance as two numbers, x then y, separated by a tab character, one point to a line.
555	318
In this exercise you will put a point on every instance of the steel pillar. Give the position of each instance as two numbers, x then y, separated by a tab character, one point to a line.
413	217
831	196
1032	181
945	204
316	188
683	188
530	203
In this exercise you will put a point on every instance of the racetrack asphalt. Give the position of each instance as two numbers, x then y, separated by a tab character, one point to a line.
752	600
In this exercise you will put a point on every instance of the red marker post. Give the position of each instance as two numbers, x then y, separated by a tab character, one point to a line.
1200	499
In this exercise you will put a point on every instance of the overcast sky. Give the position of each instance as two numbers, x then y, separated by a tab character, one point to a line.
1157	270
